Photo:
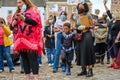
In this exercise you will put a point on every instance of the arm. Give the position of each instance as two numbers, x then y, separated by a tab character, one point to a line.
107	10
96	34
30	21
117	38
105	34
6	30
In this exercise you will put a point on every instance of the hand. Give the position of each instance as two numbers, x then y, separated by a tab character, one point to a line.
96	27
81	27
105	2
14	23
19	16
44	39
74	28
116	40
49	36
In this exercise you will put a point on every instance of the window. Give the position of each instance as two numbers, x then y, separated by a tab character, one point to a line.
9	11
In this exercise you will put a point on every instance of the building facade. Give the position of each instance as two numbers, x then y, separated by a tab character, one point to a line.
9	7
56	6
115	7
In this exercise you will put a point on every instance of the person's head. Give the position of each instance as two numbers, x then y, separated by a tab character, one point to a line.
51	19
24	5
104	15
82	8
67	28
73	16
2	22
63	15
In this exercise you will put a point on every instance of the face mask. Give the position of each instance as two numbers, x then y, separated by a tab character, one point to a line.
63	17
24	7
81	11
50	21
74	17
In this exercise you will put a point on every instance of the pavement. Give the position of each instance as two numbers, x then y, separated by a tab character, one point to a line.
101	72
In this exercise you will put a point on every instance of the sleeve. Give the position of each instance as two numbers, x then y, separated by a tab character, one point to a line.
109	14
7	30
30	21
45	32
34	17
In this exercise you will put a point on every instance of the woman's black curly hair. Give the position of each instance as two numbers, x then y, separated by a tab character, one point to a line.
85	6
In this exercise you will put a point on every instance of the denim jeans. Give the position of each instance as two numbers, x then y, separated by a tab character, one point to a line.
21	63
39	59
58	50
5	53
50	55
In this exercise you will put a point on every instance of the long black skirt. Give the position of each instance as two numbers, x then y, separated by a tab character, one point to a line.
85	53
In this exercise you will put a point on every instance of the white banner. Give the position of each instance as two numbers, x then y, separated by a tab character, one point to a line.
74	2
53	8
61	8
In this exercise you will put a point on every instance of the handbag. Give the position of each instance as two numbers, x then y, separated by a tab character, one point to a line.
78	36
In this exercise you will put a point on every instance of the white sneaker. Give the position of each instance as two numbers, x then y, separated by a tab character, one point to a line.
52	64
49	65
12	71
1	71
40	65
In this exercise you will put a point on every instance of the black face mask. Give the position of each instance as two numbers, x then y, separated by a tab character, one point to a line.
81	11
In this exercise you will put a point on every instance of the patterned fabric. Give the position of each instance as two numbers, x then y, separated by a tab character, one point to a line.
67	40
27	36
1	36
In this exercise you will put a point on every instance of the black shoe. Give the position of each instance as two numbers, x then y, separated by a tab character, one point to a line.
89	73
83	72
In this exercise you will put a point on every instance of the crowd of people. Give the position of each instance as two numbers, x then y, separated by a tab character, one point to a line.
84	37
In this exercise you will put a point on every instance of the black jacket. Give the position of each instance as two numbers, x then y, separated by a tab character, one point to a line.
50	42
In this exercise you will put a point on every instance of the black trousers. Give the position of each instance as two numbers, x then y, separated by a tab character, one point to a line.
67	58
30	62
100	50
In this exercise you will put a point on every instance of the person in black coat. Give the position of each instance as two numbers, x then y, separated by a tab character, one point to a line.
50	40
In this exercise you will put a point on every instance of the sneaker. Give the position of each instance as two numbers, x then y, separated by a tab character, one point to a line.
49	64
55	70
22	71
63	68
68	73
52	64
1	71
40	65
11	71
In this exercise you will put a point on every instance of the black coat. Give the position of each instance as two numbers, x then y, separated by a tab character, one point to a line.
50	42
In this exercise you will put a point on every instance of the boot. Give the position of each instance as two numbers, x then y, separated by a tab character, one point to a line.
89	73
102	59
108	61
83	72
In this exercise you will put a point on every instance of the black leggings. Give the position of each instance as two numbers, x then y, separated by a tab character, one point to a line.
30	62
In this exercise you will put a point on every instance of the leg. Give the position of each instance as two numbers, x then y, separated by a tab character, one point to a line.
53	56
8	58
49	55
26	63
69	57
63	57
40	60
1	59
57	52
34	63
21	65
